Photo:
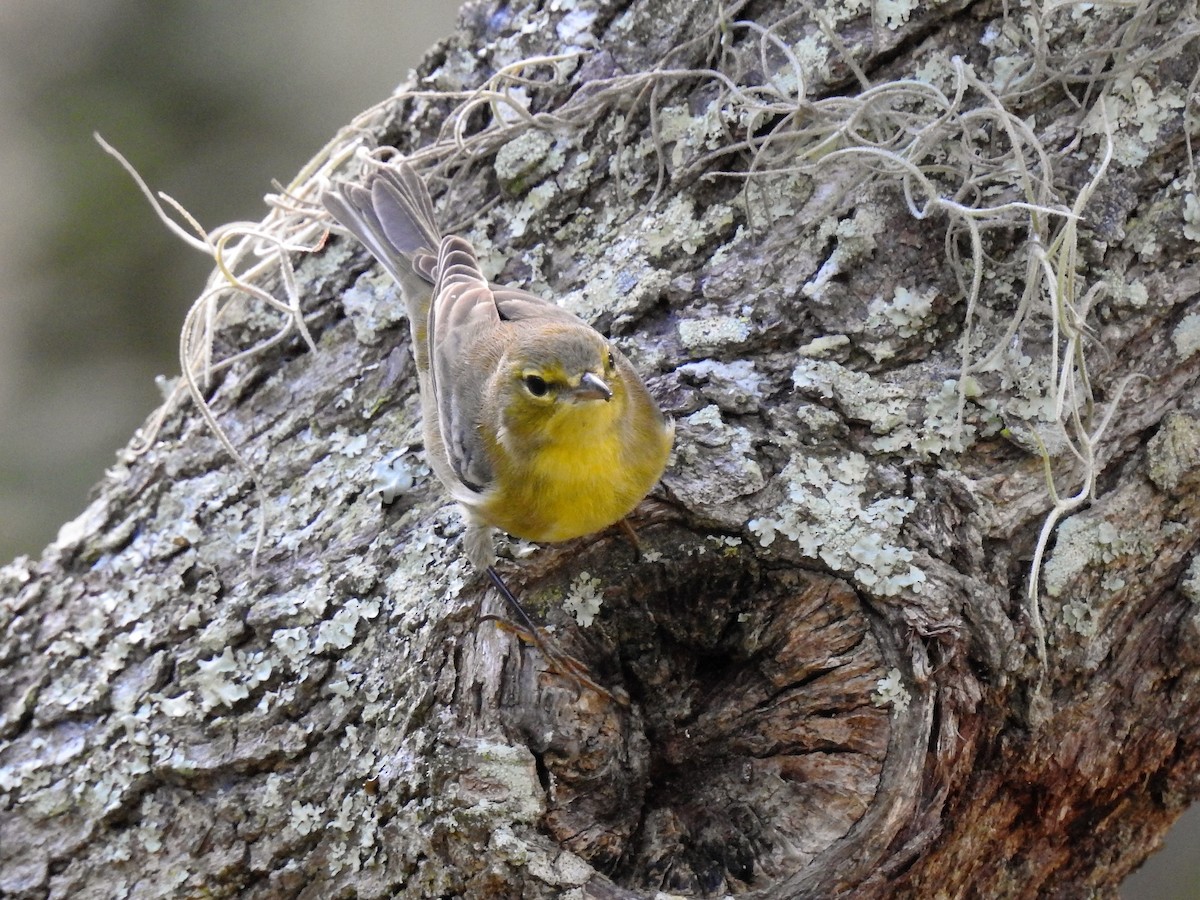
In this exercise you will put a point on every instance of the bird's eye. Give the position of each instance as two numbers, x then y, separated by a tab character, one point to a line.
612	360
536	385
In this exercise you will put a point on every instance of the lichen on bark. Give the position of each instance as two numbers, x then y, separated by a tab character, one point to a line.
890	272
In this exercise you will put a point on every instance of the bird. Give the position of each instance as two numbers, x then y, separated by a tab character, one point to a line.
534	422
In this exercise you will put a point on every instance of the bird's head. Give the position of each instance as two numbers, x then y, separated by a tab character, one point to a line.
563	383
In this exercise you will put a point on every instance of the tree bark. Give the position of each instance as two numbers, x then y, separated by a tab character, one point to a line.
889	268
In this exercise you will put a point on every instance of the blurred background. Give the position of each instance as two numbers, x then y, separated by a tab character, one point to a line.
210	101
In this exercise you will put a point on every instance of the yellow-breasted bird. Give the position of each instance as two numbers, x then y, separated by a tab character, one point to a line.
533	421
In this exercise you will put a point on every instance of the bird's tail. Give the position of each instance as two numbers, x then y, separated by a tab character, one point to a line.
391	213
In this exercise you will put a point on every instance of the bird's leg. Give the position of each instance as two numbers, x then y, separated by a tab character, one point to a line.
559	660
631	536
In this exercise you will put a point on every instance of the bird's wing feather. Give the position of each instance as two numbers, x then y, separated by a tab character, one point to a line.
515	305
464	327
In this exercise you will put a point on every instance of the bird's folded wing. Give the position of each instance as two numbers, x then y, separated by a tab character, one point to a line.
466	345
516	305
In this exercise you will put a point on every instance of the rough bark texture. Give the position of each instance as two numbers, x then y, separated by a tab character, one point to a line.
834	677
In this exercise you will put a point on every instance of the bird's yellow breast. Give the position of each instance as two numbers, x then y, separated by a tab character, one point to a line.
582	479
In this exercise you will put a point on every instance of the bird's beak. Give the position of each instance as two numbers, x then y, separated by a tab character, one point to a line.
591	387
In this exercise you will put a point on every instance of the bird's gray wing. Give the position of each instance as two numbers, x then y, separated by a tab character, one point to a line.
515	305
465	345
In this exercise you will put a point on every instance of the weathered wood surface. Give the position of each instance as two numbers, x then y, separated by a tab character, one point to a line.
831	667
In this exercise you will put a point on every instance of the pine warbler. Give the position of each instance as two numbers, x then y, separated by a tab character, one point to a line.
534	422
